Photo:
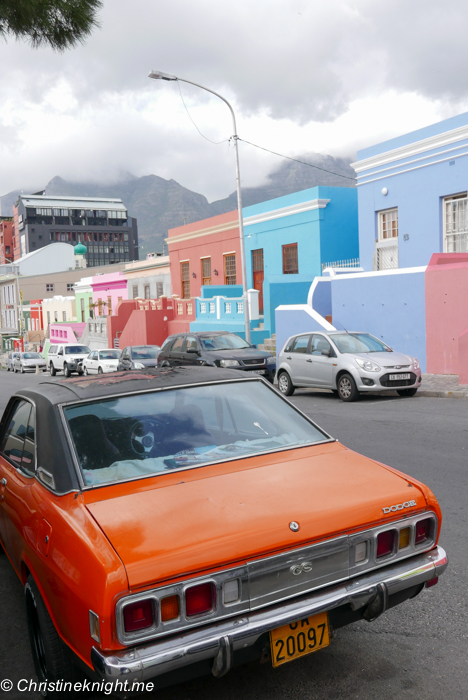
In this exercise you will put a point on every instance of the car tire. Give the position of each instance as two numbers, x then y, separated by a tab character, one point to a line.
406	392
52	660
285	384
347	390
66	370
99	370
7	369
22	369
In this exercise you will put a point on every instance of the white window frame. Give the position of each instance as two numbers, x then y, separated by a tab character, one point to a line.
460	232
386	248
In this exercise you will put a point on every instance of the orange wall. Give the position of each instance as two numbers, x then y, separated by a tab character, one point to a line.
223	239
446	310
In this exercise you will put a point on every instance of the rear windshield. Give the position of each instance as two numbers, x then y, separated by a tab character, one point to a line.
77	350
146	434
31	356
145	352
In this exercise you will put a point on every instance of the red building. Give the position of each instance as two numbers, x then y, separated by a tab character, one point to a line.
205	252
6	240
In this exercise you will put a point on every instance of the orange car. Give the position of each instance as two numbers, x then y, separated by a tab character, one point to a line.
169	523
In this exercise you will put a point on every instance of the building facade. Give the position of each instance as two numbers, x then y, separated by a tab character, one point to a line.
6	240
102	225
150	278
108	291
413	195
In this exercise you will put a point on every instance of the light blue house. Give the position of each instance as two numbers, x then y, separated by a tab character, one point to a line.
412	195
288	240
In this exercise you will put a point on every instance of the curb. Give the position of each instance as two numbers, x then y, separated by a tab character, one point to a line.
443	394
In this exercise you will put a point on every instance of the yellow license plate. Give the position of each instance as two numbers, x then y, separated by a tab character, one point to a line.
299	638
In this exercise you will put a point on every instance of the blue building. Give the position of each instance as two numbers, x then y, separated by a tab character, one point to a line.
412	196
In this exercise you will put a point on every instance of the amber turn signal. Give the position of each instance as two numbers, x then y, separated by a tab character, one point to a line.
404	538
170	608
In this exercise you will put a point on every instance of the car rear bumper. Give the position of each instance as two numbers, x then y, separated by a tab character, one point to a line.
221	640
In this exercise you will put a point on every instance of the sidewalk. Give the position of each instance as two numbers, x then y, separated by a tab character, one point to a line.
443	386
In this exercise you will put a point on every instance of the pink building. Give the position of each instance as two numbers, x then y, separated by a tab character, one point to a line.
108	291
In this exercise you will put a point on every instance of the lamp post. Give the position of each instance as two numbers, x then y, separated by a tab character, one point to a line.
158	75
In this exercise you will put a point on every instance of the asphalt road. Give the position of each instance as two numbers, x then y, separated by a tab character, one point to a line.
416	651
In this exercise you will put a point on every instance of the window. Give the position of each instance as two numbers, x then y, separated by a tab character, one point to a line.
230	269
147	291
70	286
50	287
82	305
48	318
109	306
388	224
185	279
455	224
290	262
17	443
319	344
177	347
386	249
206	270
135	291
300	344
56	316
159	289
64	315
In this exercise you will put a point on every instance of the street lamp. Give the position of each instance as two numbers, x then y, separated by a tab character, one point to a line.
158	75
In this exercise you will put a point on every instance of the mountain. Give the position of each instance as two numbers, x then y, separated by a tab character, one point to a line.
161	204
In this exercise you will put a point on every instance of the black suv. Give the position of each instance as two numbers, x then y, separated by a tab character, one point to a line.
218	349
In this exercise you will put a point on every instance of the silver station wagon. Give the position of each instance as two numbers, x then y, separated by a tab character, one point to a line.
348	363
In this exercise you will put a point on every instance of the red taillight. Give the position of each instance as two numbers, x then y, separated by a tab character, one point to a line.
138	615
199	599
422	531
432	582
386	543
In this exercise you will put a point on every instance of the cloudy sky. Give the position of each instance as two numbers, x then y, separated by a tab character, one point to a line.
324	76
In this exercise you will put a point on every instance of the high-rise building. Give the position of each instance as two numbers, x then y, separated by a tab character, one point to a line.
6	240
102	225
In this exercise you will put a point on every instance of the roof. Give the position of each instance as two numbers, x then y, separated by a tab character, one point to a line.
69	202
127	382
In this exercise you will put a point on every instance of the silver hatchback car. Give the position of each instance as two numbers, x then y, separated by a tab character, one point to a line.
348	363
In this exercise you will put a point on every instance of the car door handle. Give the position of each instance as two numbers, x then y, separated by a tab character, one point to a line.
289	358
4	482
308	360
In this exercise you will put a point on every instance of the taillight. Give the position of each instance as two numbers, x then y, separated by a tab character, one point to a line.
199	599
386	543
422	531
138	616
404	539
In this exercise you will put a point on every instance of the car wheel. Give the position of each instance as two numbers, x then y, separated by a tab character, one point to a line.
285	384
347	388
99	370
406	392
51	658
66	370
22	369
52	369
7	369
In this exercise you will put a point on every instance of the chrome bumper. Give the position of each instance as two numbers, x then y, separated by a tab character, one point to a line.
219	641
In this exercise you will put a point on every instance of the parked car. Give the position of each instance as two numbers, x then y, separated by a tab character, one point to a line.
184	520
348	363
139	357
217	349
10	360
66	357
28	361
101	361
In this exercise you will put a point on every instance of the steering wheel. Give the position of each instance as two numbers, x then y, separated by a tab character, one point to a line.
144	434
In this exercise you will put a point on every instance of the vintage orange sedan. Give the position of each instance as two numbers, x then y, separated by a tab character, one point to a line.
174	522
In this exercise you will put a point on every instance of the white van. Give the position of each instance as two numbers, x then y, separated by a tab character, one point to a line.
66	357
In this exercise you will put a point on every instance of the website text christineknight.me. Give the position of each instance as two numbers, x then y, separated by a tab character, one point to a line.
107	687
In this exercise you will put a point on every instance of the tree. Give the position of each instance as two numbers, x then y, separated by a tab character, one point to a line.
60	24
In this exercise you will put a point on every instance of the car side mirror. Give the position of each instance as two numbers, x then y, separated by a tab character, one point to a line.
328	353
195	351
253	346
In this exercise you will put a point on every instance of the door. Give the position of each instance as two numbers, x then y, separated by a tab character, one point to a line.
299	360
190	351
92	362
321	368
257	272
175	355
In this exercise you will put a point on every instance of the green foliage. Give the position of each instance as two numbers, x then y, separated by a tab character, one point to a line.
60	24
